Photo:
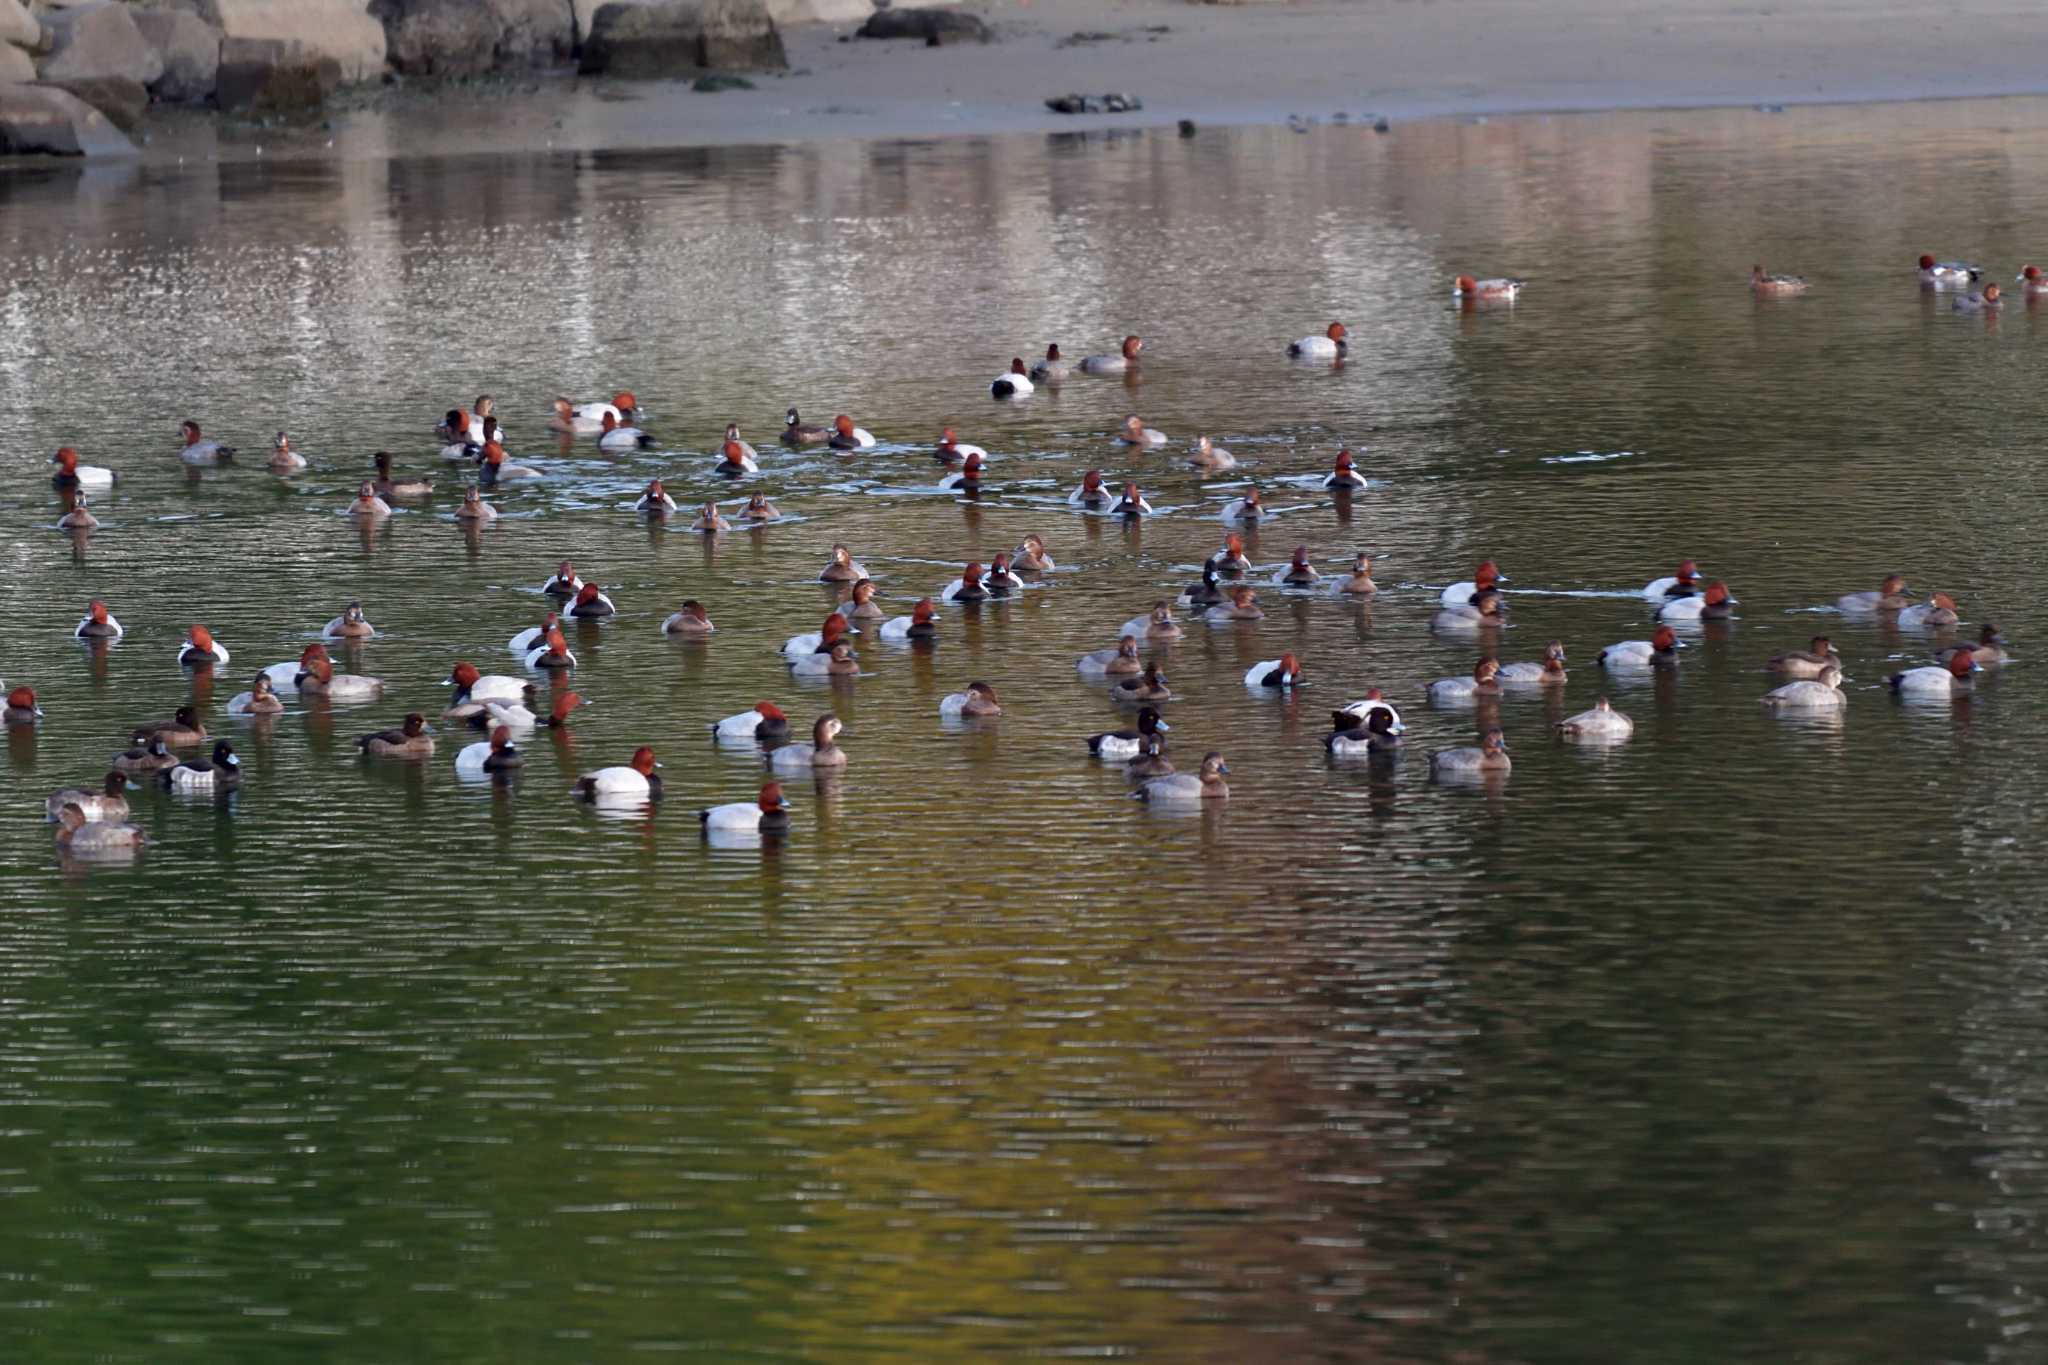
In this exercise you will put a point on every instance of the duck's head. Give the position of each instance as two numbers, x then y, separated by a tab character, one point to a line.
1336	332
1127	648
1131	347
564	408
1494	742
1488	574
1717	593
1894	586
1242	596
501	740
1132	495
587	594
1017	365
464	674
863	591
1991	292
1091	482
971	574
1665	638
493	453
558	645
973	464
1133	426
1150	722
472	497
643	761
1554	652
609	422
834	628
921	614
564	704
23	699
1162	613
1300	559
771	798
1290	666
768	710
1989	635
1830	676
1233	545
1213	765
1052	353
983	690
116	782
1489	603
200	638
1943	601
456	421
66	459
1361	563
654	492
1153	677
224	755
792	417
843	425
1345	464
1961	664
824	730
732	451
1926	261
281	442
1821	645
366	493
97	610
2030	273
485	404
189	429
1379	720
565	572
1000	564
841	555
1687	572
415	725
1486	669
710	514
1465	284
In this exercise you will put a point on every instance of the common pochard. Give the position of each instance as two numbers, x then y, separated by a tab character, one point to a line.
200	648
1091	494
410	740
617	435
759	509
1131	504
1052	369
221	772
1484	610
563	582
1150	762
654	500
473	509
1767	286
1659	651
847	436
317	677
967	476
1937	611
634	781
1230	561
1977	301
978	702
1244	511
530	639
1549	673
968	587
553	655
1188	788
2031	281
97	624
1001	577
590	604
1684	583
284	459
1334	342
1822	693
1810	662
953	451
916	626
21	707
822	752
763	815
1120	745
765	723
1274	674
1487	576
195	449
1015	383
1344	473
747	452
72	476
1151	685
1891	595
1601	725
1712	605
1155	626
1134	432
836	661
1489	758
691	620
1946	680
1483	682
1947	274
498	754
735	460
496	468
1125	357
472	685
108	803
1466	289
82	838
1298	572
819	641
861	606
350	625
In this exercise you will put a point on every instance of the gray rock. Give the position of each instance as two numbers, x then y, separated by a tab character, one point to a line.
936	27
16	66
273	75
123	101
340	29
99	39
40	118
682	38
471	37
189	49
18	26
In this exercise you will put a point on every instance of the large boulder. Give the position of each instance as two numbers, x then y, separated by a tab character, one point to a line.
188	48
99	39
16	66
39	118
471	37
123	101
936	27
18	26
787	12
682	38
339	30
273	75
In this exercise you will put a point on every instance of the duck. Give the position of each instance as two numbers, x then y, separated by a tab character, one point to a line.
200	648
763	723
916	626
847	436
2031	281
1154	626
367	504
1659	651
1119	662
615	435
1989	651
735	461
108	803
759	509
968	587
1818	656
1489	758
1938	610
1484	682
82	838
1297	572
748	455
516	717
819	641
1207	593
1601	725
1712	605
317	677
1242	606
1486	610
588	418
1120	363
1774	286
1209	457
1244	511
968	476
950	450
554	655
495	469
260	700
283	459
486	418
1549	673
72	476
148	754
530	639
763	815
797	432
1119	745
21	707
710	521
454	432
1230	561
1151	761
654	500
1180	788
1283	672
590	604
1359	581
1684	583
822	752
197	450
1978	300
1378	735
474	509
1951	679
1132	504
844	568
978	702
1344	473
1466	289
350	625
563	582
1091	494
1892	595
183	729
474	687
636	780
563	417
78	518
1374	701
862	605
1333	343
97	623
498	754
410	740
1050	370
835	662
1822	693
1031	556
1947	274
1151	685
219	773
1001	578
1015	384
1134	432
691	620
1488	575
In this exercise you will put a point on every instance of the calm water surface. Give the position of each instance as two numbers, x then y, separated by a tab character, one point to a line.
1720	1046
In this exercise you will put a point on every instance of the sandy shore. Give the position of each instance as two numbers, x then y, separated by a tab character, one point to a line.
1239	64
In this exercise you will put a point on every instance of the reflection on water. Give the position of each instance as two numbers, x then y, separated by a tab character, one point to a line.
1716	1039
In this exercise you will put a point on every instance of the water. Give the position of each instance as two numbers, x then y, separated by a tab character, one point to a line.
1715	1047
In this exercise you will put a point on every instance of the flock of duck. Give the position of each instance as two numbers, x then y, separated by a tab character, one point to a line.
500	708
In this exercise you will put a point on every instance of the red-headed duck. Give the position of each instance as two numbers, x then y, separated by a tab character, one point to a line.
968	475
1344	472
201	648
317	677
1001	578
97	623
1359	581
1484	682
916	626
498	754
1031	556
1052	369
968	587
1820	693
1774	286
21	707
637	780
1230	561
1490	757
822	752
554	655
654	500
835	661
1659	651
1946	680
1684	583
530	639
1132	504
1242	606
1989	651
516	717
284	459
1119	662
473	509
563	582
1805	663
1488	575
765	723
260	700
2031	281
1601	725
692	620
221	772
819	641
1466	289
471	684
108	803
147	754
1484	610
1979	300
1280	673
1015	383
1188	788
1712	605
82	838
732	437
72	476
1209	457
861	606
1938	610
844	568
759	509
710	521
495	468
78	518
1119	745
1334	342
1134	432
1947	274
590	604
1376	735
350	625
1091	493
978	702
798	432
1549	673
735	461
764	815
455	429
410	740
367	504
847	436
617	435
1891	595
197	450
951	450
1298	572
1151	685
1125	357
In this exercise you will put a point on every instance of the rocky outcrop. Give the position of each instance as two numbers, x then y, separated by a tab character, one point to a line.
16	66
96	40
936	27
37	118
682	38
340	31
788	12
471	37
187	47
18	28
273	76
123	101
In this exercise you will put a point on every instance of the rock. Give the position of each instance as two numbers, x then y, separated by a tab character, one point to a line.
787	12
16	66
123	101
936	27
340	30
471	37
1094	104
187	46
99	39
682	38
273	75
18	26
41	118
717	81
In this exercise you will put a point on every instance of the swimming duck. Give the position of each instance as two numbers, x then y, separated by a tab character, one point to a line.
1938	610
1374	737
1121	362
197	450
967	476
1490	757
219	773
1822	693
822	752
764	815
199	648
1001	578
454	431
474	686
590	604
1091	494
637	780
759	509
1947	274
834	662
843	568
1989	651
517	718
1298	572
1112	663
978	702
283	459
1774	286
1052	369
1156	625
485	419
614	435
317	677
1031	556
1978	300
1810	662
21	707
798	432
1486	610
735	461
495	470
563	582
1712	605
260	700
1211	458
1118	745
148	755
78	518
1230	561
1487	576
563	417
368	504
1484	682
764	724
82	838
1549	673
97	623
1150	685
182	729
1135	433
1331	344
862	605
2031	281
1242	606
1180	788
410	740
1359	581
554	655
498	754
968	587
952	451
473	509
654	500
1283	672
1344	473
1684	583
916	626
1601	725
1015	384
819	641
710	521
691	620
1374	701
1947	680
72	476
1151	761
1131	504
108	803
530	639
1465	289
350	625
748	454
1892	595
847	436
1204	594
1659	651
